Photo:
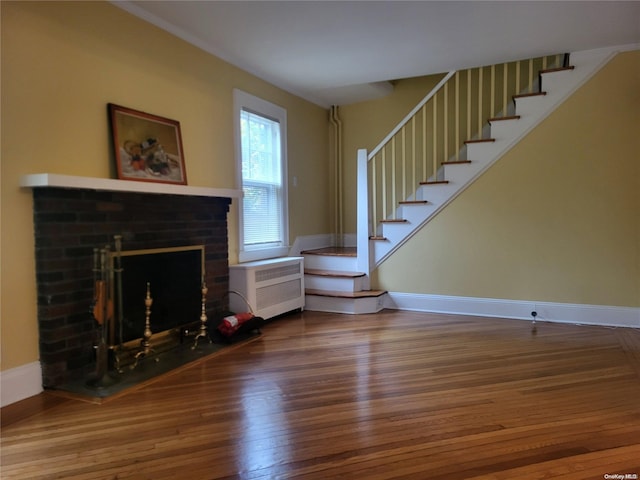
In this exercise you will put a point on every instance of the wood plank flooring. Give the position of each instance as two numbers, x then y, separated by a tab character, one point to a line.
397	395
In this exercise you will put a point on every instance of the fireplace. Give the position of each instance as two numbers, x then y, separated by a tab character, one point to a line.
174	276
71	222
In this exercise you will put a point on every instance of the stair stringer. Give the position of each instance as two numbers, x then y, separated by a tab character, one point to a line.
558	86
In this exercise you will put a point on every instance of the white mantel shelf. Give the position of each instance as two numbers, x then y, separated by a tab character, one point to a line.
38	180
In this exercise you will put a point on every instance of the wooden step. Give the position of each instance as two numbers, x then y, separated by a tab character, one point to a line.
435	182
499	119
414	202
331	258
457	162
344	302
378	238
480	140
333	273
557	69
525	95
333	279
333	251
338	294
393	220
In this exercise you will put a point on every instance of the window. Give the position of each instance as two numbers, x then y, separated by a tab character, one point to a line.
262	165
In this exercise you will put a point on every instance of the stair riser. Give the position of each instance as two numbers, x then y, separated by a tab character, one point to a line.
436	194
505	129
395	232
333	283
416	214
458	175
330	262
380	249
557	81
482	152
531	107
352	306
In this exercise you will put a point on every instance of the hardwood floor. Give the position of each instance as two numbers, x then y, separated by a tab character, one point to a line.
393	395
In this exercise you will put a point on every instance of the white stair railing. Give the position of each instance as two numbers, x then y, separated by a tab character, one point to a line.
434	132
456	110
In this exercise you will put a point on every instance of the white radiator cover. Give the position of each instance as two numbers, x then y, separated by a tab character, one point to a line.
272	287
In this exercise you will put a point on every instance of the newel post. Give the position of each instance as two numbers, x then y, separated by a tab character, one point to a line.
362	193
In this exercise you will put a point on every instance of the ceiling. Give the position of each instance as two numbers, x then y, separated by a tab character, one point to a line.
340	52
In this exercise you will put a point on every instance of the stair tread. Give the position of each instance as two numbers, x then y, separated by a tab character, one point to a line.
457	162
335	293
534	94
480	140
510	117
333	273
435	182
393	220
414	202
557	69
377	237
332	251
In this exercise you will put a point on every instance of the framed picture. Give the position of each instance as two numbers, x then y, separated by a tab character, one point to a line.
148	148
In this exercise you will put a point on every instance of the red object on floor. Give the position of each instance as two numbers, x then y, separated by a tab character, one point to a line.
232	323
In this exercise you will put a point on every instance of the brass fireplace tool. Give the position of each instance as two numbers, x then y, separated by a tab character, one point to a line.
102	311
202	333
117	269
145	344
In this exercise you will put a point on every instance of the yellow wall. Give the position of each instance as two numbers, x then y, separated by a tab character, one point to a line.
62	62
365	124
556	219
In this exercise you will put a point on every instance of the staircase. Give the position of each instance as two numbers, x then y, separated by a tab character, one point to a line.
391	210
334	284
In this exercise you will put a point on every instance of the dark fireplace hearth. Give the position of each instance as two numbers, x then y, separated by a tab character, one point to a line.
70	223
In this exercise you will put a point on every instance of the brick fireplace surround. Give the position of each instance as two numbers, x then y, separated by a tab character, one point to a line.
70	222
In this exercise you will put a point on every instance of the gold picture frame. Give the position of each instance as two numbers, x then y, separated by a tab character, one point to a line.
148	148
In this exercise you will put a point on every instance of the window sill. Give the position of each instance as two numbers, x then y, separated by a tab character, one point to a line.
262	254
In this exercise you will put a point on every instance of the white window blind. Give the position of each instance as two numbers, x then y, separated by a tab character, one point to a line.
261	180
261	154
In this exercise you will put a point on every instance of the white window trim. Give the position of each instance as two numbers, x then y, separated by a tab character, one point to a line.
243	100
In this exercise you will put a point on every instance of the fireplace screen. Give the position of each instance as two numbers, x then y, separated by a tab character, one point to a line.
175	277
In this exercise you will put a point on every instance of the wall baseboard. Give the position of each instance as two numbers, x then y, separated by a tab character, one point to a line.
602	315
19	383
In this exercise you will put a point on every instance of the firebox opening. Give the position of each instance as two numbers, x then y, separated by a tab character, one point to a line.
175	276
